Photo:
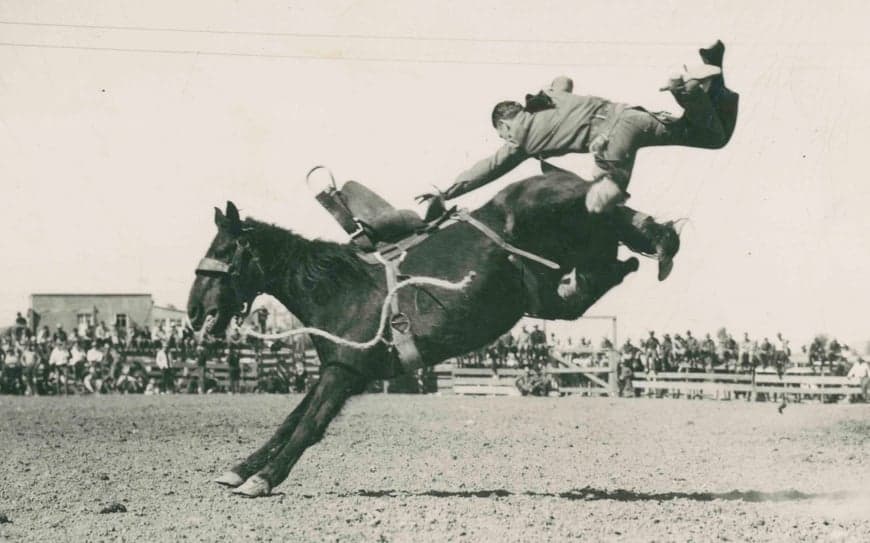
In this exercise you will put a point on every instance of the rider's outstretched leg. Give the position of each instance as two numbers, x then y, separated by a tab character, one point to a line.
710	107
724	100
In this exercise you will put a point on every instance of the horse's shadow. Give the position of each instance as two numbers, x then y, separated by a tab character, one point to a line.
620	495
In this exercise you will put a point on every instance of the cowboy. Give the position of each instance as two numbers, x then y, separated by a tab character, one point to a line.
557	122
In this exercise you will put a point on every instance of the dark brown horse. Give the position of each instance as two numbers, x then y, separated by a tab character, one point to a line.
328	286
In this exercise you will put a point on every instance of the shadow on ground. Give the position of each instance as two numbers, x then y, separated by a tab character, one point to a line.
594	494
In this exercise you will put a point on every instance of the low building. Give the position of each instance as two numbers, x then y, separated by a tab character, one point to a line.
78	310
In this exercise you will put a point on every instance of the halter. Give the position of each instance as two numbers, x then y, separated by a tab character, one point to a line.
234	269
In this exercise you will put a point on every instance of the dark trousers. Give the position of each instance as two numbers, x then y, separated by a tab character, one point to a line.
708	123
167	380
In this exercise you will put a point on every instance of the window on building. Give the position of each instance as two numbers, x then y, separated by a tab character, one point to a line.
85	320
121	320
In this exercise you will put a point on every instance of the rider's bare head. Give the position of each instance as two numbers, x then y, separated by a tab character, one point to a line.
502	115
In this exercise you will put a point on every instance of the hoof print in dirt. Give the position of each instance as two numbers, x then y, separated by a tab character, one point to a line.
113	508
4	519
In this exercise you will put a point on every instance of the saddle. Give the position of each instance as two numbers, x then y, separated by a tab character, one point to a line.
371	221
383	234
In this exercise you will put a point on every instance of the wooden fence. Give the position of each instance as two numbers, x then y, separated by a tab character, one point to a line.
486	382
251	366
727	385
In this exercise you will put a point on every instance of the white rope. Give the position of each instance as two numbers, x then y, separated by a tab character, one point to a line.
385	313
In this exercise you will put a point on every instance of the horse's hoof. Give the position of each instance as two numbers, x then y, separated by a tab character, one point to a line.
254	487
230	478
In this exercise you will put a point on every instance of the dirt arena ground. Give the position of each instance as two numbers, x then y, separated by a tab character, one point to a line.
415	468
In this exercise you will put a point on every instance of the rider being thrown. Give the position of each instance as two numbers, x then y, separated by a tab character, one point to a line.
567	123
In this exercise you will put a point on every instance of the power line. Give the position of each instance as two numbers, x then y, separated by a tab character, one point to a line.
317	35
307	57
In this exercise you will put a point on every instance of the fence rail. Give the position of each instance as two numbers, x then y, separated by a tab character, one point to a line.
722	385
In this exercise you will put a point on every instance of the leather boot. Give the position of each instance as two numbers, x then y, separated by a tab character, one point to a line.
667	244
713	55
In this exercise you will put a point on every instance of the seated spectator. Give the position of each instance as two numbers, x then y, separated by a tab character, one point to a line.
151	388
125	383
93	379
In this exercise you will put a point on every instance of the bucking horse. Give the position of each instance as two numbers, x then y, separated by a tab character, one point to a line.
498	256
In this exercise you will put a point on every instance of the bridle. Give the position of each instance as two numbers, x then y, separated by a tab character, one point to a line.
245	272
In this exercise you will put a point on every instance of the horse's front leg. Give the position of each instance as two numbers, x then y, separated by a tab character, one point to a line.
336	385
259	458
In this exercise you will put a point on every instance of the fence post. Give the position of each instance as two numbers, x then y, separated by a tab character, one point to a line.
613	377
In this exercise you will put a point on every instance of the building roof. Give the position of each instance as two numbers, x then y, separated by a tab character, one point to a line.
103	294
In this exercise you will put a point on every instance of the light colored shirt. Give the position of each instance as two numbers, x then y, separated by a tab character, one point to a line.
59	357
95	355
162	359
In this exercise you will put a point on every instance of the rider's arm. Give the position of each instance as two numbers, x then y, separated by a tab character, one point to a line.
508	157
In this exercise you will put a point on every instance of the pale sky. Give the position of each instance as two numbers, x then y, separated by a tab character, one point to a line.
111	159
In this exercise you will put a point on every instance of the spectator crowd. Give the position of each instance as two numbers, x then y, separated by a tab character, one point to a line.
166	358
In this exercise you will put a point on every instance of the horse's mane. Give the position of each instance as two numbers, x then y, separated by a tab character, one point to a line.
315	266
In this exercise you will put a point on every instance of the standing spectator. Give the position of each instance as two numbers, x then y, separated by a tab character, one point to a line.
625	376
44	336
13	383
651	352
164	364
692	349
834	351
707	351
523	346
20	326
667	352
59	363
235	369
78	359
59	334
780	354
860	372
30	367
745	352
539	345
201	361
629	353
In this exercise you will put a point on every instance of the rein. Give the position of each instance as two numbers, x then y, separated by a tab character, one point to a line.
385	314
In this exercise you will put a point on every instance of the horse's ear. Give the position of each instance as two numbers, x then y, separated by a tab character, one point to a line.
233	219
232	212
219	219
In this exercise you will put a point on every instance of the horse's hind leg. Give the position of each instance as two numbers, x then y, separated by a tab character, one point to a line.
336	385
259	458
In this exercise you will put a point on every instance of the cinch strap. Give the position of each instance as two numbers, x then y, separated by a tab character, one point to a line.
463	215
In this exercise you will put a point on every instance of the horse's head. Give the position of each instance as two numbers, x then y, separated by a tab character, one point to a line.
228	277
